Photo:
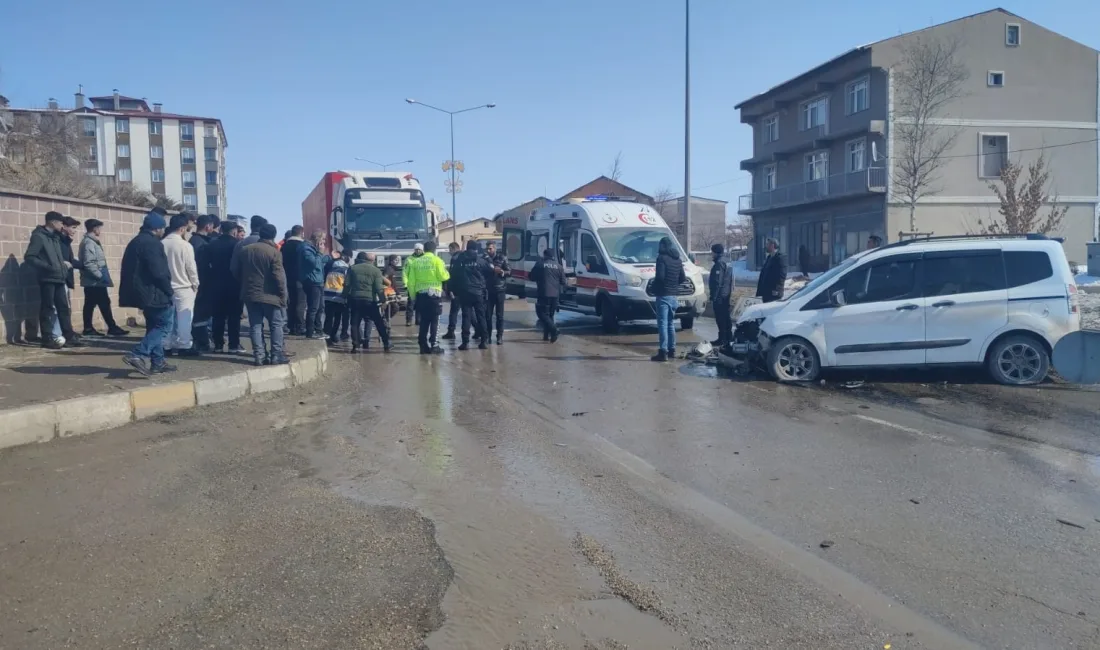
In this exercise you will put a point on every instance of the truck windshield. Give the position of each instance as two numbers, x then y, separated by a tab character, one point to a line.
636	245
386	222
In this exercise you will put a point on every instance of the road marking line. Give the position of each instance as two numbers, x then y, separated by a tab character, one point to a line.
899	427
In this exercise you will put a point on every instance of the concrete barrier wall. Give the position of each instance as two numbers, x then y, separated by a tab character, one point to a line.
20	212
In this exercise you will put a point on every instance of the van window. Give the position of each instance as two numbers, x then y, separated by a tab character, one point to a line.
882	281
513	244
536	243
591	256
1025	267
955	272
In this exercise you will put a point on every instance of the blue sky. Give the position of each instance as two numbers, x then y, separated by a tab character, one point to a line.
304	88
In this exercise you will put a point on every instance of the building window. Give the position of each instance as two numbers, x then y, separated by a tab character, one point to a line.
125	175
90	171
157	175
155	127
190	201
1012	34
91	156
814	113
89	127
858	96
856	157
187	155
211	200
771	128
995	79
210	153
187	131
123	151
189	179
210	130
156	151
993	155
817	165
122	125
767	183
211	178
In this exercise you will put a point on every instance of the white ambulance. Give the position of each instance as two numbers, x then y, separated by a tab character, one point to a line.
608	247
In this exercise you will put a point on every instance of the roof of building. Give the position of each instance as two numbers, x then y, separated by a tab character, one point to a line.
856	51
129	113
537	199
629	191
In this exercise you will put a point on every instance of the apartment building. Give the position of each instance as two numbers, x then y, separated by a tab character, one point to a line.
125	140
823	173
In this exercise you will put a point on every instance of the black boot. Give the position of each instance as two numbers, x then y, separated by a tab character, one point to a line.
660	356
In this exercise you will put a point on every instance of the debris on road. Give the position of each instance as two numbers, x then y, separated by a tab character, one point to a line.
827	543
1067	522
914	501
852	384
578	413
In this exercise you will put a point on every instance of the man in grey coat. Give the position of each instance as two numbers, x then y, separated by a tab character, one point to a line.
96	280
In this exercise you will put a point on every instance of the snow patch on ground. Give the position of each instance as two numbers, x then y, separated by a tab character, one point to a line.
1090	310
1083	278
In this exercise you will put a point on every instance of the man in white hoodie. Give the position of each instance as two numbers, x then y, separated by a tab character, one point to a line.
185	284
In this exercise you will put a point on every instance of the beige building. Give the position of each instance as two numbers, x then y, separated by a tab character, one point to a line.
479	228
824	142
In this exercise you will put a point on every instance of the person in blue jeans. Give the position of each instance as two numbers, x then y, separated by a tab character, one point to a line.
259	267
668	277
145	283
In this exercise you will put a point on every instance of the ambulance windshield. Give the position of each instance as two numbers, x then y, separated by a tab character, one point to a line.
635	245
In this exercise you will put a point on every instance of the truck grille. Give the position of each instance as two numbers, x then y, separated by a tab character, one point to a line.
685	288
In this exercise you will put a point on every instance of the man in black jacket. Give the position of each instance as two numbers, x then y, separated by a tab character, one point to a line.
549	278
296	307
44	254
468	272
496	285
667	278
452	313
773	275
204	302
721	288
146	283
225	299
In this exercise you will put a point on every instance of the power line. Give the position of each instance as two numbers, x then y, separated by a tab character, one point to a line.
1042	148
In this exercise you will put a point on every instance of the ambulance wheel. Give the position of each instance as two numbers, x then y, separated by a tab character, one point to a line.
686	322
608	320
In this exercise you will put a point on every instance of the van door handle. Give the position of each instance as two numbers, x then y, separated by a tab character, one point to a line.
909	307
944	303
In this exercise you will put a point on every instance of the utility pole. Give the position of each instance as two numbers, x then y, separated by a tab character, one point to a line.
687	125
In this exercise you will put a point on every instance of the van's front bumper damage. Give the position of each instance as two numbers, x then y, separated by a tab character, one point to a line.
750	344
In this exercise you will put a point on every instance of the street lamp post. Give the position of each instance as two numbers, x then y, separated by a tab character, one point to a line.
452	162
385	166
687	124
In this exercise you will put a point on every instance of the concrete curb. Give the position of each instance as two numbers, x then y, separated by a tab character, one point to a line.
83	415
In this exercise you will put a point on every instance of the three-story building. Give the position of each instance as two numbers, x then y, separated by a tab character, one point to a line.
824	161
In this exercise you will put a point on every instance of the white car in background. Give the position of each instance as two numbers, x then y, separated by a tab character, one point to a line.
1001	302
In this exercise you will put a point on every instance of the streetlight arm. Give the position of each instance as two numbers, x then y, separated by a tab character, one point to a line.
434	108
474	108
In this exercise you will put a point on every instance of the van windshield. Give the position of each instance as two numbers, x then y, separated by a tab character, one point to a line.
636	245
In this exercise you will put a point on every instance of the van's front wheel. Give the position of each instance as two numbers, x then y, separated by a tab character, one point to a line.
608	320
792	359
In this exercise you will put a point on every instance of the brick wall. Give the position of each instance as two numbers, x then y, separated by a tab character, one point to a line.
20	212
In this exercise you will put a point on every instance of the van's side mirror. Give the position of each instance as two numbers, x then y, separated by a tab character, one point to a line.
837	298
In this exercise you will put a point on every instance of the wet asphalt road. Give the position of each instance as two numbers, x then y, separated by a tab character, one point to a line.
562	495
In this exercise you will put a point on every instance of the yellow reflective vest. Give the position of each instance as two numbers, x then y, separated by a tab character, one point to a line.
424	273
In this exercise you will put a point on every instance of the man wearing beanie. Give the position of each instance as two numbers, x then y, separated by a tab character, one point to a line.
259	267
721	288
145	283
185	284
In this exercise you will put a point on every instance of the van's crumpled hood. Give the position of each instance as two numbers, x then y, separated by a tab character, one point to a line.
762	310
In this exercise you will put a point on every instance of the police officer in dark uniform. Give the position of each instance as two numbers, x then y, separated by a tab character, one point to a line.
452	315
549	276
469	270
496	290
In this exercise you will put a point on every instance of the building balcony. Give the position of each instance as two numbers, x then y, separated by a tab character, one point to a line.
837	186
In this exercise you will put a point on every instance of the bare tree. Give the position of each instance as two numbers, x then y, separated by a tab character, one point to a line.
615	172
739	234
43	154
167	203
929	77
127	194
1022	201
663	199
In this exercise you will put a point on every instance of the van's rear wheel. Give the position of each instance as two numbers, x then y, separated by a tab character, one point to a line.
608	320
792	359
1018	360
687	322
